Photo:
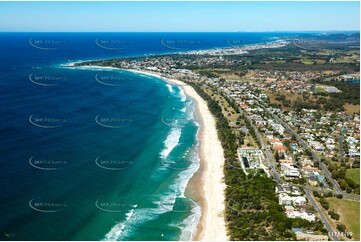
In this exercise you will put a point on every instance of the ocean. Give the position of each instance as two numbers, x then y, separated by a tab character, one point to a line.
94	154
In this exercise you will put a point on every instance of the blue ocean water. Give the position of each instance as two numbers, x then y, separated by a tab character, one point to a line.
92	154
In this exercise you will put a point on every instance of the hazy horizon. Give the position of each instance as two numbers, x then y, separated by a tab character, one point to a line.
179	16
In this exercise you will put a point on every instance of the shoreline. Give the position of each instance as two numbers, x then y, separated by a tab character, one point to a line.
206	185
210	195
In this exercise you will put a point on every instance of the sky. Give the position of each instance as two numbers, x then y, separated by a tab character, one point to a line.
178	16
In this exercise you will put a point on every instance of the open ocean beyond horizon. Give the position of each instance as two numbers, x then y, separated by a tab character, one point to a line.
92	154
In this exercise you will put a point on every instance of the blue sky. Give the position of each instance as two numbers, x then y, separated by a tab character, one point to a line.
178	16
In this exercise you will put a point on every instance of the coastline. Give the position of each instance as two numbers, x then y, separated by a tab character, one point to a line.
206	185
210	194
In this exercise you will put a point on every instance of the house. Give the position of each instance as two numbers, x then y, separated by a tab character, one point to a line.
308	169
296	191
290	171
288	161
284	199
312	180
289	208
304	215
292	174
299	201
279	189
284	188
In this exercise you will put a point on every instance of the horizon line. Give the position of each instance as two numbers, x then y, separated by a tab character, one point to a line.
261	31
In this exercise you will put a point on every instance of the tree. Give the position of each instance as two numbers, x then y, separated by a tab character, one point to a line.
334	215
351	183
341	227
277	157
324	203
343	184
316	193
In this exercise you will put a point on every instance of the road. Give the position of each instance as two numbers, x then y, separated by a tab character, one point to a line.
340	148
328	226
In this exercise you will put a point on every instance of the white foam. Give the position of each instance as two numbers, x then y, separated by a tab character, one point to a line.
117	229
171	142
170	87
115	232
138	216
182	95
189	225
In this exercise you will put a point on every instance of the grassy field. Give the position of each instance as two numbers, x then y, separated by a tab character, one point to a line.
354	174
321	88
227	110
350	108
229	74
307	62
349	214
289	96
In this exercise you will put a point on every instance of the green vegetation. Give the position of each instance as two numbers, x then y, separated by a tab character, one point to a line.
334	215
354	175
350	92
341	227
252	209
349	212
339	172
350	95
324	203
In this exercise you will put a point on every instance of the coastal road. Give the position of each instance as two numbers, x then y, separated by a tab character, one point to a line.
328	226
